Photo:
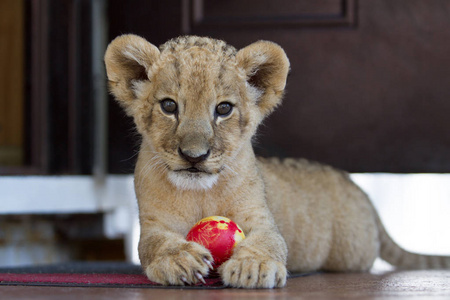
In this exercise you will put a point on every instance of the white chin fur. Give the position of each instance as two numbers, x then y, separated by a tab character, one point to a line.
193	181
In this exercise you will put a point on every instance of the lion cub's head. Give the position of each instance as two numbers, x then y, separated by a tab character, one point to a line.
195	101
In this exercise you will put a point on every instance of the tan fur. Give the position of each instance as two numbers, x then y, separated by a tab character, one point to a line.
314	211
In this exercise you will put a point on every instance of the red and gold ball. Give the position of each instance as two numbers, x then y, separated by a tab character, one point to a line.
217	234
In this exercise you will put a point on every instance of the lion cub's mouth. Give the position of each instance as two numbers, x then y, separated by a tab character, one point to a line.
193	179
193	170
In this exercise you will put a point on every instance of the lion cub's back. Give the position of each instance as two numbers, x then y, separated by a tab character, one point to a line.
298	188
316	207
301	180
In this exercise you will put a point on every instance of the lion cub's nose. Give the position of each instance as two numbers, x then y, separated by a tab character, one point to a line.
193	158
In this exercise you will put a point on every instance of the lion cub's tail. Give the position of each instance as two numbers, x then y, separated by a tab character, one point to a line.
395	255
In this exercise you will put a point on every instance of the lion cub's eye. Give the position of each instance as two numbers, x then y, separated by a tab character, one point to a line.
169	106
224	109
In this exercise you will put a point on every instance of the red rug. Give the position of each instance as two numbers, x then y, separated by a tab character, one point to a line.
94	274
90	277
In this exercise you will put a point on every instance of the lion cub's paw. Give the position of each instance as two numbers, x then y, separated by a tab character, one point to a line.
186	264
253	273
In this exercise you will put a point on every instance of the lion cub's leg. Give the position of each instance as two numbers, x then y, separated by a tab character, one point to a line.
355	242
354	248
259	261
167	258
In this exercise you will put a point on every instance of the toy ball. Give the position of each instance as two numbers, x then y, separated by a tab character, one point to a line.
217	234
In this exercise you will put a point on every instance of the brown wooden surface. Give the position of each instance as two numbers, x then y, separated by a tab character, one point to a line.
11	82
59	102
395	285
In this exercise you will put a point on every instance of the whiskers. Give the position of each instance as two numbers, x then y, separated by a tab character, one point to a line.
227	169
136	152
228	172
154	165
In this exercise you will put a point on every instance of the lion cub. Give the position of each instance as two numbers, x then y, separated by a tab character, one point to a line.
197	102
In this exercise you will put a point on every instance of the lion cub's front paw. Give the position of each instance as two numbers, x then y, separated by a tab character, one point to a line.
253	273
186	264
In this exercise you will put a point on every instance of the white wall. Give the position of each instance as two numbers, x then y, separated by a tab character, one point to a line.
414	208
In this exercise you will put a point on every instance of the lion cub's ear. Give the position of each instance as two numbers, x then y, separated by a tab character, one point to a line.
128	59
266	66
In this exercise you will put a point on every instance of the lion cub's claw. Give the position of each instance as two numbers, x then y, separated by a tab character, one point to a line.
208	263
184	279
200	277
252	273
